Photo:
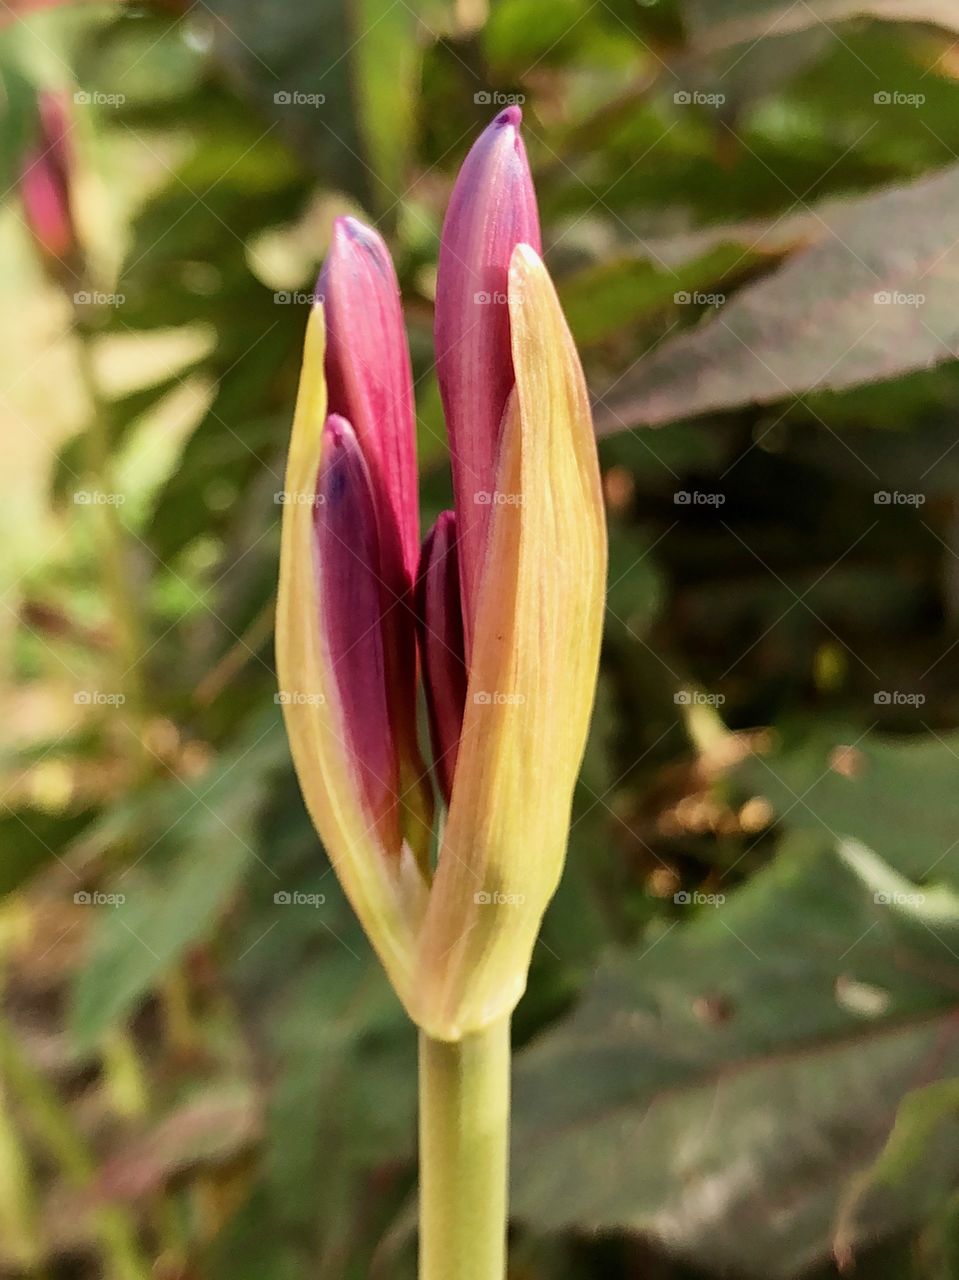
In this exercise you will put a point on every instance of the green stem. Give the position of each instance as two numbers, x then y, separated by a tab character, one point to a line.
464	1145
112	541
18	1202
55	1126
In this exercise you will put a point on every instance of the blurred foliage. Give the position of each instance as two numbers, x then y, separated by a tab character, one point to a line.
738	1050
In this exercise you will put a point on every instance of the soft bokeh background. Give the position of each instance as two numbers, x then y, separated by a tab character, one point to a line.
738	1049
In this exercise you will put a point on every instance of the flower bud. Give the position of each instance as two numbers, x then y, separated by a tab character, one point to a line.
348	582
369	380
491	210
441	645
45	181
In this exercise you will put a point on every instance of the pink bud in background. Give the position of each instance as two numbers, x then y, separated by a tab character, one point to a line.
491	210
370	382
347	560
45	180
441	645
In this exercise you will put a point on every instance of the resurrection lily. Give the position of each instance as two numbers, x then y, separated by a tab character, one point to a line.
500	613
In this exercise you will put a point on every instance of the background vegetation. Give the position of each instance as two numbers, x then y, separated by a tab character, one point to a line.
738	1051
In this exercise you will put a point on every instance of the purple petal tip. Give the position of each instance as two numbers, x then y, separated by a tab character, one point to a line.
339	430
350	228
512	115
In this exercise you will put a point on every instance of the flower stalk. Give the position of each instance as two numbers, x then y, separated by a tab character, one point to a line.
464	1149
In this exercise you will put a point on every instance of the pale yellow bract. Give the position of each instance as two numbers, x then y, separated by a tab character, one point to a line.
386	891
458	951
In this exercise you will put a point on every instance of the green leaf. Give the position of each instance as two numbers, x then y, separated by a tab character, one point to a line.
294	63
31	839
197	841
18	114
873	299
138	939
213	1127
387	60
926	1118
719	1089
339	1051
599	301
896	796
715	26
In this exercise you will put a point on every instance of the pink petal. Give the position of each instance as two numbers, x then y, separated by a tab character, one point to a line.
45	179
492	209
441	645
45	206
347	561
370	383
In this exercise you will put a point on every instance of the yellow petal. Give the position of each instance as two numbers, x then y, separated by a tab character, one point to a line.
532	681
387	892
